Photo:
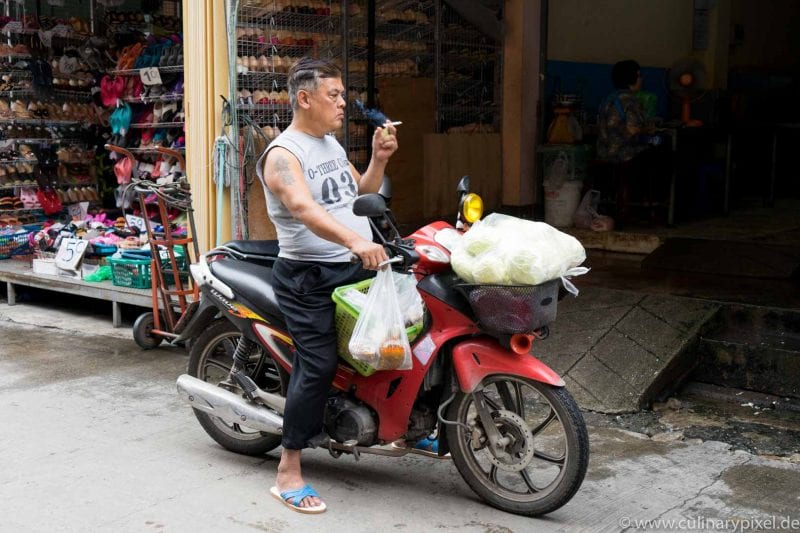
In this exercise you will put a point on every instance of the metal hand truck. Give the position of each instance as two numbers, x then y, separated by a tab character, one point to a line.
175	297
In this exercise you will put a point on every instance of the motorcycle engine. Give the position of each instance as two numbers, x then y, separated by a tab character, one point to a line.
346	420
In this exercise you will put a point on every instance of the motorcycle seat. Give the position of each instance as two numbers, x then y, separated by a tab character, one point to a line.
264	248
251	281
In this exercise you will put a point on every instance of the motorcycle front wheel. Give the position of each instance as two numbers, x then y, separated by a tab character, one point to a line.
210	359
545	445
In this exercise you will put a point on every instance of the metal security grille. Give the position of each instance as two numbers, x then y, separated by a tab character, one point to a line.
270	36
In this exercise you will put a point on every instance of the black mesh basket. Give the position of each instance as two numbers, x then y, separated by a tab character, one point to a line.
513	308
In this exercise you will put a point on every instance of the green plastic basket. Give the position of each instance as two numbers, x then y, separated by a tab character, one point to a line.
136	273
132	273
14	244
346	318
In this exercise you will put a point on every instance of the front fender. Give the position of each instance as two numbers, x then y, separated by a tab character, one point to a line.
475	359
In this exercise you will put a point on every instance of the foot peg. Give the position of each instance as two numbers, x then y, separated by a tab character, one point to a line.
253	393
246	383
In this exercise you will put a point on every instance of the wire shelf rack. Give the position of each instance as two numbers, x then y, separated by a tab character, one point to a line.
412	38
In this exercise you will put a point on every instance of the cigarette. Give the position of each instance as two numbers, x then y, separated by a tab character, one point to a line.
393	123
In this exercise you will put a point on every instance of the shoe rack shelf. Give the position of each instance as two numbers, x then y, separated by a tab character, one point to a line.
153	150
39	122
162	50
137	71
67	94
155	125
153	99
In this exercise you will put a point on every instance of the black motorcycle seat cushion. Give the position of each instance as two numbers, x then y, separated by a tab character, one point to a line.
268	248
251	281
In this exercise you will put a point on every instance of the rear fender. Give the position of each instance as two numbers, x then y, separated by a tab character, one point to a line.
205	315
475	359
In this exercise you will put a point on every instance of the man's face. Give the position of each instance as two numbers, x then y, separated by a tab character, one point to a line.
327	103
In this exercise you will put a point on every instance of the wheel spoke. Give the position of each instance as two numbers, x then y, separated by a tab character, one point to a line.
520	400
526	477
493	404
505	395
546	422
550	458
217	364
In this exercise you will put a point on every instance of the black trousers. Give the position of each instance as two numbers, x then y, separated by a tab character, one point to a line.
303	290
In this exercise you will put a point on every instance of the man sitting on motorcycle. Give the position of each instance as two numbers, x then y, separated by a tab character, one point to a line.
310	187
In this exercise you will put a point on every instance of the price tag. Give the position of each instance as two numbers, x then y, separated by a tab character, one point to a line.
67	65
46	37
70	253
150	76
14	26
78	211
136	222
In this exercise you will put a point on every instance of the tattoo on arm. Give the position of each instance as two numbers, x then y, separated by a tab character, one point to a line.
281	168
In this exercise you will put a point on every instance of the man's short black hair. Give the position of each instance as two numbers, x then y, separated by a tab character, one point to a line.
625	73
305	75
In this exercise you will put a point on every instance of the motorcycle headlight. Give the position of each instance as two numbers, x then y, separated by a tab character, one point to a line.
472	208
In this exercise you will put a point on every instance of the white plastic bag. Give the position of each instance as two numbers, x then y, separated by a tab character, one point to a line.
408	299
587	210
505	250
379	336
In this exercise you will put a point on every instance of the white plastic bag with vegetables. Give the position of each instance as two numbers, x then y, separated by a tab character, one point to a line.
504	250
379	336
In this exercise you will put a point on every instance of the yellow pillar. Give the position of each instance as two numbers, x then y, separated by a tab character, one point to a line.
205	79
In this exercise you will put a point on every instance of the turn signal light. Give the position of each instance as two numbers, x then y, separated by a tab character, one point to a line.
472	208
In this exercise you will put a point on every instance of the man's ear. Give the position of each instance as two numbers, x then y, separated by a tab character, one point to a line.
302	99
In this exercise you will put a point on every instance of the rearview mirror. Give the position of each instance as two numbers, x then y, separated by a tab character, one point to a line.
463	185
369	205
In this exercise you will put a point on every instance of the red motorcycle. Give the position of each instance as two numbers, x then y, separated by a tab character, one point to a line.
514	433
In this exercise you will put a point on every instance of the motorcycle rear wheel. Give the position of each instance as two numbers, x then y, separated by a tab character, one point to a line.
548	445
210	359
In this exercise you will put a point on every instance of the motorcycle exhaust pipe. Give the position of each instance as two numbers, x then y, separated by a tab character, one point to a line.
227	406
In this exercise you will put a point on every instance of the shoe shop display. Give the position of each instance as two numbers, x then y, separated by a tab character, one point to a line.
75	77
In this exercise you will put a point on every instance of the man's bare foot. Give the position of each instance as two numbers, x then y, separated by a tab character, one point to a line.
290	477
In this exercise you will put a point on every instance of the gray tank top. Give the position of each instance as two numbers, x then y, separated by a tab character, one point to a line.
327	172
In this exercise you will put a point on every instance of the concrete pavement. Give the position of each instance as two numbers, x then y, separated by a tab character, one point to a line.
617	350
96	439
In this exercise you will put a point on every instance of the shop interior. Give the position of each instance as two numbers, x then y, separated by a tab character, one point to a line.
717	215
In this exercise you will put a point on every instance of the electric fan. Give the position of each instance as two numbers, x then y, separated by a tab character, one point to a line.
687	81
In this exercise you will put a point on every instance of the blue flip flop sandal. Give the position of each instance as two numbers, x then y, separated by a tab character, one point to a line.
292	499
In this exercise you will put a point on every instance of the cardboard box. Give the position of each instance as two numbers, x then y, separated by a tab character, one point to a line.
45	266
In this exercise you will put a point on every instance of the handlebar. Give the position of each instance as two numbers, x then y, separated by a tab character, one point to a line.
395	259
